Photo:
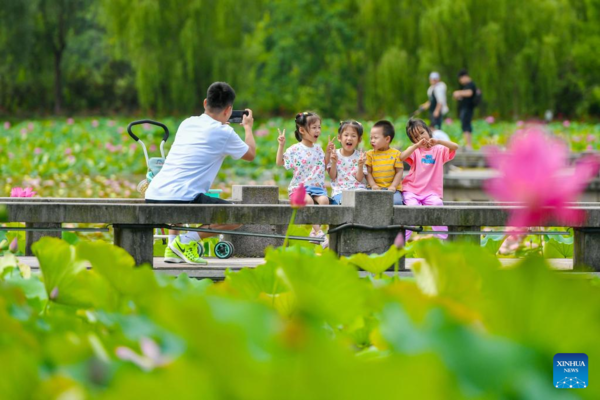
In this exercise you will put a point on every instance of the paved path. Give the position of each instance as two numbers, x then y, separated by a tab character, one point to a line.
216	268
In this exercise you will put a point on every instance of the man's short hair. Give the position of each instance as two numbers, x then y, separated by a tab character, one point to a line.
463	72
387	128
219	96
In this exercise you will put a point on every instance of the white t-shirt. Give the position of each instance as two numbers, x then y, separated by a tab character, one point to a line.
439	91
200	146
308	164
438	134
346	168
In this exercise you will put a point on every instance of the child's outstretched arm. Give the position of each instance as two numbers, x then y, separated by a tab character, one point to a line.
411	149
445	143
333	167
281	140
328	149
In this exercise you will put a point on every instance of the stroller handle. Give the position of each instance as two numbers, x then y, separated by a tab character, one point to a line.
147	121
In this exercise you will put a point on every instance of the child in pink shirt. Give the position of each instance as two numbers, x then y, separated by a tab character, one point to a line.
424	184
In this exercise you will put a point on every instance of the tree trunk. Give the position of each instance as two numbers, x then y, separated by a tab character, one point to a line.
57	81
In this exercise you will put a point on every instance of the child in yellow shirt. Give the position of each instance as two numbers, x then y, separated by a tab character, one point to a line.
383	163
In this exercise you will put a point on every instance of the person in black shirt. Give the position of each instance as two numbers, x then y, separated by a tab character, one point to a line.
466	104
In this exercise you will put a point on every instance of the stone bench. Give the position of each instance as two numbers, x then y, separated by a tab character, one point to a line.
133	220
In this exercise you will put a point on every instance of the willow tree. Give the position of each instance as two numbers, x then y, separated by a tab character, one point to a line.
306	55
517	52
178	47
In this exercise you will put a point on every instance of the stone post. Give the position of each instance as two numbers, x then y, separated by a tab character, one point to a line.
586	249
136	240
251	246
33	236
373	208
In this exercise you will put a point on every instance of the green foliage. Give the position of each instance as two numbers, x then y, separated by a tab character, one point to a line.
301	326
492	242
558	246
339	57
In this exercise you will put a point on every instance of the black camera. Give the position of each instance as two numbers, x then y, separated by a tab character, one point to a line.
237	116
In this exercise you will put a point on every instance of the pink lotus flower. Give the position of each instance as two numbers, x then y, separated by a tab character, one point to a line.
7	125
591	138
533	172
448	121
20	192
566	123
111	123
95	123
490	120
152	147
37	150
70	121
68	151
520	123
298	197
261	132
589	148
13	247
150	358
30	126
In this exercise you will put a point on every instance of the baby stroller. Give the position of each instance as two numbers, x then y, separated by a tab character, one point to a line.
222	249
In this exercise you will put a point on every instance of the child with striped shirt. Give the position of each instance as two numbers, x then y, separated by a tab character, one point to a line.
383	163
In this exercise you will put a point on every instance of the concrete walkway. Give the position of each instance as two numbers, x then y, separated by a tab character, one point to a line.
216	268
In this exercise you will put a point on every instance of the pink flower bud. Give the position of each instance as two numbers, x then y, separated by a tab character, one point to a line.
13	247
399	242
297	199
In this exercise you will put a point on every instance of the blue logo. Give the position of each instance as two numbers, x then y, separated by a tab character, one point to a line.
571	371
428	159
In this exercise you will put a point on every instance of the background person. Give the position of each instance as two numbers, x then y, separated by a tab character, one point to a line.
466	104
436	100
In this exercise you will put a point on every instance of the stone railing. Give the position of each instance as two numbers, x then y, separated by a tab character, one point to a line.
372	213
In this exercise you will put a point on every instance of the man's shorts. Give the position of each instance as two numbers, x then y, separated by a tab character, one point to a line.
201	198
466	116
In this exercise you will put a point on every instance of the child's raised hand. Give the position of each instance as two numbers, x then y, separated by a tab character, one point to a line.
333	156
422	144
362	158
281	137
330	144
